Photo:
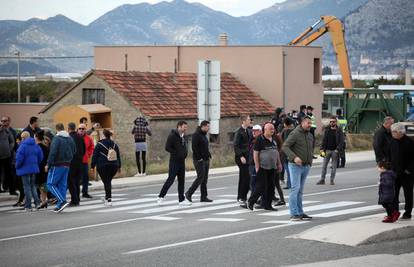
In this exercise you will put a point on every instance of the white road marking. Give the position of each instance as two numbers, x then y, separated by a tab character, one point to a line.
156	195
221	220
219	207
209	238
339	190
69	229
241	211
134	207
280	222
161	218
97	206
313	208
113	195
347	211
177	207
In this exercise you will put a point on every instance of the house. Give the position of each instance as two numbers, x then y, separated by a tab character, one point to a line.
163	98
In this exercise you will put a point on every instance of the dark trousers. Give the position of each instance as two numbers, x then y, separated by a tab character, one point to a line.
107	173
265	184
8	182
75	172
244	180
138	161
389	208
176	169
85	178
407	184
19	185
201	168
341	159
278	187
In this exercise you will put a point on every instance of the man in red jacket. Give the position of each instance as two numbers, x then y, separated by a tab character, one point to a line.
89	146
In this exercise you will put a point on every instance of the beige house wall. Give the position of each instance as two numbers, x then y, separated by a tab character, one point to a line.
299	79
268	70
20	113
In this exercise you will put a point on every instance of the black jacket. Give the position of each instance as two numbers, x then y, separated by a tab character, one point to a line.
381	144
386	190
31	131
241	142
99	157
339	139
80	148
199	144
402	157
176	146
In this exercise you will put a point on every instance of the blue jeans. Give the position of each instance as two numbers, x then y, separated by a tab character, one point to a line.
57	183
298	176
286	169
29	185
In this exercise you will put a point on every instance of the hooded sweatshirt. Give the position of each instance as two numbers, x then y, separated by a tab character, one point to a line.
62	150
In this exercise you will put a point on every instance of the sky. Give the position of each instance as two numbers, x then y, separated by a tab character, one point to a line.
86	11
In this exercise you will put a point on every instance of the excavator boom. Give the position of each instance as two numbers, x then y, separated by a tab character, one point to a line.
335	27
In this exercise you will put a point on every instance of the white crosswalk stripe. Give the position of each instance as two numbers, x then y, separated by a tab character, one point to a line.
221	220
204	209
347	211
316	207
97	206
135	207
241	211
161	218
177	207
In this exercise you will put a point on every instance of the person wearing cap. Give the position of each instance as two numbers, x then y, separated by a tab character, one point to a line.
332	143
256	132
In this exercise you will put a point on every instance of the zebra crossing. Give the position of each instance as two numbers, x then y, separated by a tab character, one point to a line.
223	209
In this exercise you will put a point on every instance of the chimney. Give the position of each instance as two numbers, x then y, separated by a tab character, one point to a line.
223	40
407	76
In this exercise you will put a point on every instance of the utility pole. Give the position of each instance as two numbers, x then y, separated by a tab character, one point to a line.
18	76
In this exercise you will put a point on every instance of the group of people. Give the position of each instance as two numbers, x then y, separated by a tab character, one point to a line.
395	160
43	166
263	154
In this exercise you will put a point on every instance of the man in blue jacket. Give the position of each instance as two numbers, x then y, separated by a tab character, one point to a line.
61	153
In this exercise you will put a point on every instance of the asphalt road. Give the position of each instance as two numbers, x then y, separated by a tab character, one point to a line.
137	232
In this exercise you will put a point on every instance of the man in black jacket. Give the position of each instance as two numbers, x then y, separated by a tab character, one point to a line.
201	160
177	147
75	168
382	139
241	150
402	162
332	144
33	126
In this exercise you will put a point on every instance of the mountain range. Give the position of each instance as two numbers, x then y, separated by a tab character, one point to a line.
379	33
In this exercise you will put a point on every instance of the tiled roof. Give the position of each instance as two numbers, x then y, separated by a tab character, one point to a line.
174	95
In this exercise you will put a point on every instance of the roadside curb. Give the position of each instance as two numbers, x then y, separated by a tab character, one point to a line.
360	231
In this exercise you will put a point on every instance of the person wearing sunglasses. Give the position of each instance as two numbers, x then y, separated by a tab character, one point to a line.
332	144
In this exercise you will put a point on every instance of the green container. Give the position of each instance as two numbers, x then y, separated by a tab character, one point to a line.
365	109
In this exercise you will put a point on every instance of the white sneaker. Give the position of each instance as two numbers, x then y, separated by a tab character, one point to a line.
241	202
185	202
160	201
108	203
138	174
144	174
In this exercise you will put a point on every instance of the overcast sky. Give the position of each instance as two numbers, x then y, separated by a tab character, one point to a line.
85	11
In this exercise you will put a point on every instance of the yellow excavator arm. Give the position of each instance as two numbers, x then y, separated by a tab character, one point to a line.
335	27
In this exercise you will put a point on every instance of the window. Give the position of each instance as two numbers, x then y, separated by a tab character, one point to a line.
316	70
214	139
93	96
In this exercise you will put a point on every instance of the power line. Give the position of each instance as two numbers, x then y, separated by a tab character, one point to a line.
44	57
